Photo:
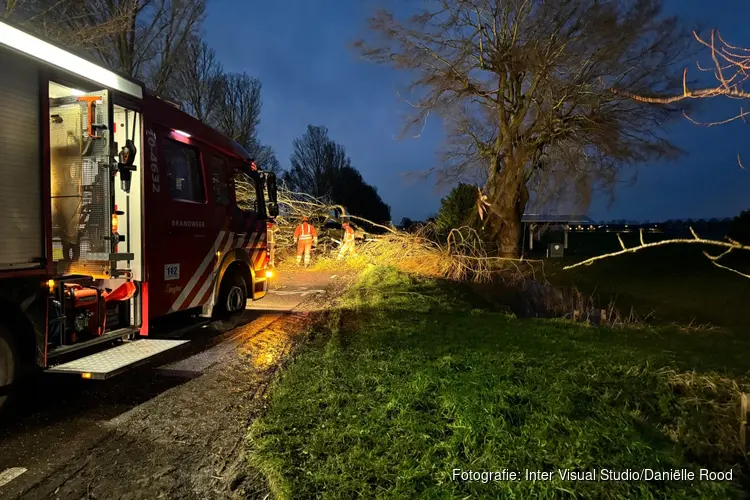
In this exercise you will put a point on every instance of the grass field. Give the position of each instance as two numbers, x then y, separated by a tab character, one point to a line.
409	380
673	283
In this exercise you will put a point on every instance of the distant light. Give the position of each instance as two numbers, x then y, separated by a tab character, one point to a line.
180	132
86	375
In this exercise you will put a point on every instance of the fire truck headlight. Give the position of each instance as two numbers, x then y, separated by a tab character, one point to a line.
269	274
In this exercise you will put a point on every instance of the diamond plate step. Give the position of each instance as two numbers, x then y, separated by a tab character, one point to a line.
113	361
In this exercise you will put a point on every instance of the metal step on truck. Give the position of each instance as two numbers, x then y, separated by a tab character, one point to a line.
116	209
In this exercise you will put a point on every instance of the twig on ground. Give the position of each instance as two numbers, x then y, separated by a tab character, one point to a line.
730	245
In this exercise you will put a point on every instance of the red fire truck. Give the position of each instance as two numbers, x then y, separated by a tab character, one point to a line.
116	209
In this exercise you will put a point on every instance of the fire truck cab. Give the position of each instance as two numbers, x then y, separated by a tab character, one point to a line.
116	209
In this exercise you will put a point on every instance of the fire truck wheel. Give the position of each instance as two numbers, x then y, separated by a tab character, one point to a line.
8	366
233	296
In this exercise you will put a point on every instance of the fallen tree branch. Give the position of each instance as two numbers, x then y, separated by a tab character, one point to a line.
731	69
462	257
729	84
730	245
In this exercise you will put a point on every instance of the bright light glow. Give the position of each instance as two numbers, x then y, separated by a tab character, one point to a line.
77	92
39	49
183	134
269	274
51	285
86	375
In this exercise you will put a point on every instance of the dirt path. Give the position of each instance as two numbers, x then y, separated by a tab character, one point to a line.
187	442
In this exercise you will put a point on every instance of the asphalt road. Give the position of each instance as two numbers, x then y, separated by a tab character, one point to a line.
61	417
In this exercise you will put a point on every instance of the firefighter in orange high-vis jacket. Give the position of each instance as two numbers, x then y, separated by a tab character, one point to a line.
347	245
305	236
271	239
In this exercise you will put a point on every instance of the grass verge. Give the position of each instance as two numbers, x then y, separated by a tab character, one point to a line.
675	284
415	380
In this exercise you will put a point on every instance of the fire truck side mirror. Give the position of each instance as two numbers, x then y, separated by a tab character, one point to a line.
273	209
273	202
271	185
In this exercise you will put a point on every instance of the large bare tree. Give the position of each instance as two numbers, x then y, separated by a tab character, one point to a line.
321	169
315	162
237	115
524	87
199	80
171	24
238	111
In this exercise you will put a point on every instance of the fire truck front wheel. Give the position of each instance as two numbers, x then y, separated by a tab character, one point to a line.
232	296
8	367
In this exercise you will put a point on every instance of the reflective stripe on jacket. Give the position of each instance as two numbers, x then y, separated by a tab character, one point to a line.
305	231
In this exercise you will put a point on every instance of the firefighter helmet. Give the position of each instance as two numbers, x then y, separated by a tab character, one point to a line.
305	218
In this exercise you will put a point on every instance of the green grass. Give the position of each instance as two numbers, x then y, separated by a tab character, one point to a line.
674	283
415	379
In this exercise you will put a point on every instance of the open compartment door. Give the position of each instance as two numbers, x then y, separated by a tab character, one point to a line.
80	172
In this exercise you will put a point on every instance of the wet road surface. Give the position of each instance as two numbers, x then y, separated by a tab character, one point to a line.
63	419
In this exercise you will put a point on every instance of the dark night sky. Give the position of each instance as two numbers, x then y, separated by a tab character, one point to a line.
300	50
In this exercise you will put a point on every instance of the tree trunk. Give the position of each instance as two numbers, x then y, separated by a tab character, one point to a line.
508	228
508	198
